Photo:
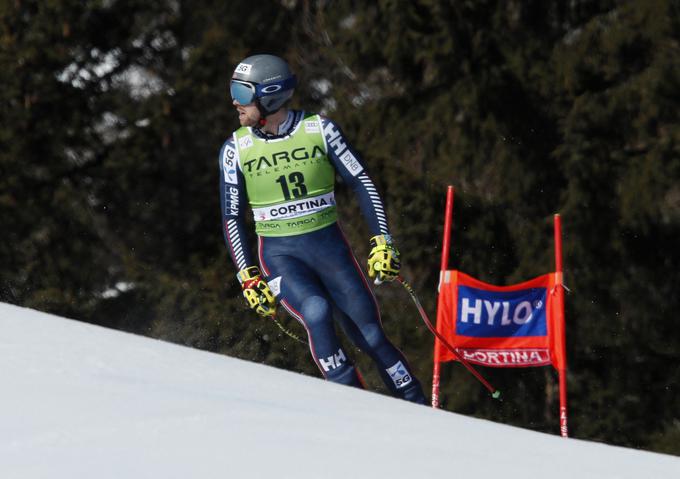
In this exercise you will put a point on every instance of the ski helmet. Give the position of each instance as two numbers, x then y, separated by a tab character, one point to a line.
264	79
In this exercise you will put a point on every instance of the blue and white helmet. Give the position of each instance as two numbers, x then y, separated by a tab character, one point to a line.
266	79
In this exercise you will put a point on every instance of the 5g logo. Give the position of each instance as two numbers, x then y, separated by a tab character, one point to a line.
399	374
243	68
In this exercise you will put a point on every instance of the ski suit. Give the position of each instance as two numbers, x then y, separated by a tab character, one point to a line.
288	181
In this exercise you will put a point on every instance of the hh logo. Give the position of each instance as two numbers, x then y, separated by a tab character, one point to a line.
334	361
399	375
494	314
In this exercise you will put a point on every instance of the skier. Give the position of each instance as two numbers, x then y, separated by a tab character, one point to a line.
284	162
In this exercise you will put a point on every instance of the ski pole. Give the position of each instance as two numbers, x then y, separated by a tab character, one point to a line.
287	332
495	393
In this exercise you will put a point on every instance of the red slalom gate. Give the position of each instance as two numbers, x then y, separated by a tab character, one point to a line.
520	325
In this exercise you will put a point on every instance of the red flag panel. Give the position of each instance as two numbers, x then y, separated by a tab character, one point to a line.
502	326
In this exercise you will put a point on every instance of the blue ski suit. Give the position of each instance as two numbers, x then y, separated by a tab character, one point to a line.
314	275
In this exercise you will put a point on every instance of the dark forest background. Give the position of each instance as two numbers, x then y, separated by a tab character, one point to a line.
113	114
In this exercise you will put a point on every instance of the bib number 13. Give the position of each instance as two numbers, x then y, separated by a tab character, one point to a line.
293	186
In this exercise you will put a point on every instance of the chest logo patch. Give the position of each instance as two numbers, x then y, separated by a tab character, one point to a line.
312	127
245	142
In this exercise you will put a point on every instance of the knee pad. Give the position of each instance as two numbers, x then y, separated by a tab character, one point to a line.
315	309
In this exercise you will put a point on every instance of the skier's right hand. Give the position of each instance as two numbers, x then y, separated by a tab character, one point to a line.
257	292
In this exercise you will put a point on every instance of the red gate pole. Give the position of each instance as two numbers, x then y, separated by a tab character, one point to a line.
560	330
446	244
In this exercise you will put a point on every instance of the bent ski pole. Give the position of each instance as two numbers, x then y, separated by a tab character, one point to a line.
495	393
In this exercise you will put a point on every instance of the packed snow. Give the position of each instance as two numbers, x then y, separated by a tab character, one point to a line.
81	401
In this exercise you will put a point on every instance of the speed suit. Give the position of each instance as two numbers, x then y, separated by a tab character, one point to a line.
288	181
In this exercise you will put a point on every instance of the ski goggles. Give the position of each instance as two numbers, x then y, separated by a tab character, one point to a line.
245	92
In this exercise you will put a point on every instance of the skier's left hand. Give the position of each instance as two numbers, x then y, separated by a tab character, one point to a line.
257	292
383	260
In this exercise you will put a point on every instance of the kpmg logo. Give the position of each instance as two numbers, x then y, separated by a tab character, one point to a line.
494	314
231	201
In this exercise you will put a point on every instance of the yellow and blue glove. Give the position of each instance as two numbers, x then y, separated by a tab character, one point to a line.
257	292
383	259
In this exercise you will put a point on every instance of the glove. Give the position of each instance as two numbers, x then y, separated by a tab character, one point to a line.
383	260
257	292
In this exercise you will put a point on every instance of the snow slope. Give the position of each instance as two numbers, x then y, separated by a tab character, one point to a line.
81	401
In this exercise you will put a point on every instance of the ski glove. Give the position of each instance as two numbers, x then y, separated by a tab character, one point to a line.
257	292
383	260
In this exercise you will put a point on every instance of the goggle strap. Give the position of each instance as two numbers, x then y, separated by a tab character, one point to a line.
287	84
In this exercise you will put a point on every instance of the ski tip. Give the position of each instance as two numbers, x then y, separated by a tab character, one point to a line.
496	394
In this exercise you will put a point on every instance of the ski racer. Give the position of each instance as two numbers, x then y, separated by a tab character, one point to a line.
283	163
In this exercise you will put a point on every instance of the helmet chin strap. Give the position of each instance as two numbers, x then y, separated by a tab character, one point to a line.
263	113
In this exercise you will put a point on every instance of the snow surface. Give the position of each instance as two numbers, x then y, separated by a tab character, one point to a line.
81	401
